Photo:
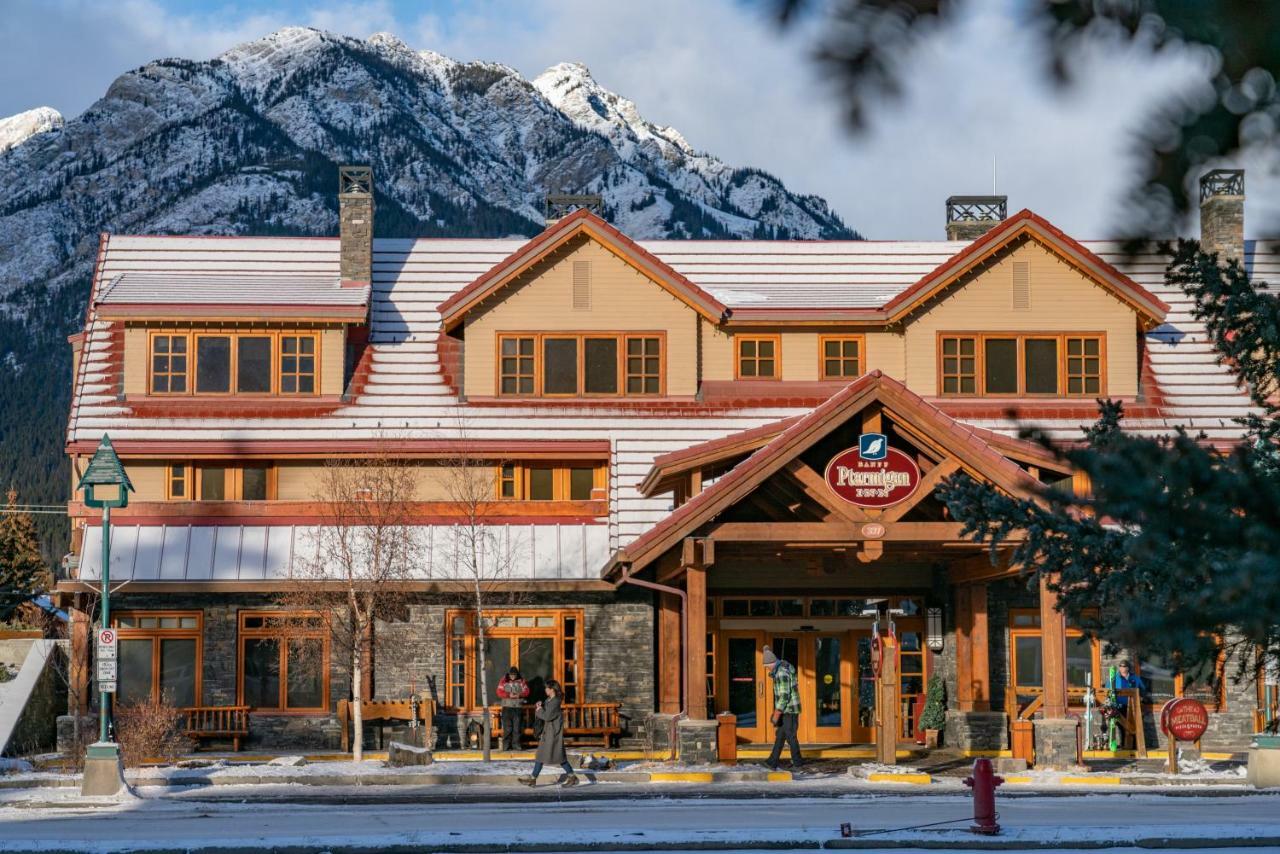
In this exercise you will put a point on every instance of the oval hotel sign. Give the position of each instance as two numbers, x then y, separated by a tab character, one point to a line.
873	474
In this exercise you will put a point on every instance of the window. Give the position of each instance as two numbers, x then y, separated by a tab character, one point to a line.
284	661
515	365
1164	679
297	364
549	481
1012	364
758	357
1026	644
169	364
543	644
259	363
841	357
216	482
159	656
580	364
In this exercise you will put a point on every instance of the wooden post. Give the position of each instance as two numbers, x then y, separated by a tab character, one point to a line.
1053	653
887	705
78	693
669	653
964	648
980	658
696	654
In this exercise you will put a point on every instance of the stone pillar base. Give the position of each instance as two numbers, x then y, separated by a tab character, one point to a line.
1264	767
103	770
658	732
1056	742
697	742
977	730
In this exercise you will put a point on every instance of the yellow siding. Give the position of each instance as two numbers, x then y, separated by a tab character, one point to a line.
886	351
135	360
332	359
543	300
1062	300
717	352
147	478
304	481
882	350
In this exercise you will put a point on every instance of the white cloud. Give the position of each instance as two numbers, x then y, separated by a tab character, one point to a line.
720	72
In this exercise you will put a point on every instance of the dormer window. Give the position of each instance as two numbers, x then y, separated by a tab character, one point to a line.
1005	364
241	363
580	364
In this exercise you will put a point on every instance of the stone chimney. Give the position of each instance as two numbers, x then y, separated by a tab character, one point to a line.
1222	213
355	223
560	205
970	217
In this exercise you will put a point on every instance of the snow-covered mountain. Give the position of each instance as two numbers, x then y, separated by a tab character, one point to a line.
16	130
249	143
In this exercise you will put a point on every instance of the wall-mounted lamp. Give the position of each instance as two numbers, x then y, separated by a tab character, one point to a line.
933	628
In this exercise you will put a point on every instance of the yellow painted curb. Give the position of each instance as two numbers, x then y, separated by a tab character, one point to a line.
914	779
988	754
779	777
821	753
1017	779
1098	780
681	777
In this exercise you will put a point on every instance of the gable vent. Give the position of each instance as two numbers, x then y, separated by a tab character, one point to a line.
581	285
1021	286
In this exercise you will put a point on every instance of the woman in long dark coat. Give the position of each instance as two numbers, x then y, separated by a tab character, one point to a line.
551	742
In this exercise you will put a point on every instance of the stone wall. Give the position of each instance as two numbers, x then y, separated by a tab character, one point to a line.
409	651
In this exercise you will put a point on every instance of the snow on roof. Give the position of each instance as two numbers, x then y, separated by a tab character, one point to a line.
162	288
406	392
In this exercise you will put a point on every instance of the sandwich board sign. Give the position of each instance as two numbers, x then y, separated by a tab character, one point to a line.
106	660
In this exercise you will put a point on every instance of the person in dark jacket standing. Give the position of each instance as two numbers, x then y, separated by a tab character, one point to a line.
786	709
551	745
512	691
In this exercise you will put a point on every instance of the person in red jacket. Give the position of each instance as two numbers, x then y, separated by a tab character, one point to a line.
512	691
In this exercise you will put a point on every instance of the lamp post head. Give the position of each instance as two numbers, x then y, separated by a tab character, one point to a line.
105	470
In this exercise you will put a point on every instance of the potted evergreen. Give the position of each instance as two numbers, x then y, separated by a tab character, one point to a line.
934	717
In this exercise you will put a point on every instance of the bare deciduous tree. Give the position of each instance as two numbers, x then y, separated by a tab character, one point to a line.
482	553
364	555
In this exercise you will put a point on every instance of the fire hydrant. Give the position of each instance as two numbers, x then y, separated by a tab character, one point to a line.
984	782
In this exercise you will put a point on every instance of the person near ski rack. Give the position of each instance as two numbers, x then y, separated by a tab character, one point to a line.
551	745
512	691
786	709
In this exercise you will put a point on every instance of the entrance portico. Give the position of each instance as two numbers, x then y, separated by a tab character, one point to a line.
785	551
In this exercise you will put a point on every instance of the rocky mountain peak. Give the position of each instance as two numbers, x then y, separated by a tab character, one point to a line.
17	129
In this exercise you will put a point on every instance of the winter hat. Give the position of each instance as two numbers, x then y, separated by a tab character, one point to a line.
769	658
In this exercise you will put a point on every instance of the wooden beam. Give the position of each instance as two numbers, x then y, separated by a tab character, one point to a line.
978	567
871	420
841	533
980	656
696	654
669	644
78	684
927	483
1053	652
816	488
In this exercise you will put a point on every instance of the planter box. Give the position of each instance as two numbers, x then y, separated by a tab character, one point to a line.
1264	762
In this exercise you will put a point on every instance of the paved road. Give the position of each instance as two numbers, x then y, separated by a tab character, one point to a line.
804	821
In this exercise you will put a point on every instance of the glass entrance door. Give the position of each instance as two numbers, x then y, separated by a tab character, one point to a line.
864	723
825	705
743	684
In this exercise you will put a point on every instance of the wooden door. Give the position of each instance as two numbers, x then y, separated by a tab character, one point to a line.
863	706
826	689
742	687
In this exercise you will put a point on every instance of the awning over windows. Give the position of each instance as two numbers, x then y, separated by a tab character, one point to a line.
280	552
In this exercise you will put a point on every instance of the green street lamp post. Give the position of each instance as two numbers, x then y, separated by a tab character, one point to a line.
105	486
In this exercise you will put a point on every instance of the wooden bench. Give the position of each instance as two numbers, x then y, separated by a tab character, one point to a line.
383	710
216	722
583	722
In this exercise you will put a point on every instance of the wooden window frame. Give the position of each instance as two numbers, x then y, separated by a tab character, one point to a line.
860	340
1084	377
277	368
556	632
1219	703
284	635
193	336
1073	633
187	375
193	475
560	478
775	339
157	634
627	375
621	337
980	339
533	370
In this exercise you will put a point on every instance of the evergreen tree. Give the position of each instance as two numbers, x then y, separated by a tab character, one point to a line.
1176	550
22	570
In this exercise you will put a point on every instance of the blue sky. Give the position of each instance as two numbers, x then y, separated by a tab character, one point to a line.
721	73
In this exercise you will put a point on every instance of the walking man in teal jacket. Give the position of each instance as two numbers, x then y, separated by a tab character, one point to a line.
786	709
